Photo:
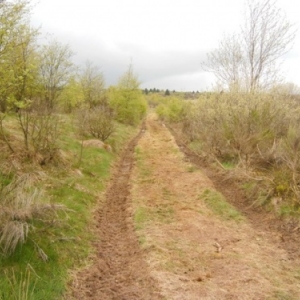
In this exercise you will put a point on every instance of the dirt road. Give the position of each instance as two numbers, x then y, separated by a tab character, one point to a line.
163	236
119	269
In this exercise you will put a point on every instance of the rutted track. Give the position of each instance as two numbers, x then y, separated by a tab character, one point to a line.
119	270
284	232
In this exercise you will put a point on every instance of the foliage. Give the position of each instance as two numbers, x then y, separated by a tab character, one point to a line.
92	84
130	105
255	134
17	54
97	122
127	100
171	109
153	99
71	96
38	129
55	70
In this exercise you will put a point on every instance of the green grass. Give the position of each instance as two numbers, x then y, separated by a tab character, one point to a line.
141	157
66	239
140	217
218	204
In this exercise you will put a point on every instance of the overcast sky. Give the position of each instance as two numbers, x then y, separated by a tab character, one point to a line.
166	40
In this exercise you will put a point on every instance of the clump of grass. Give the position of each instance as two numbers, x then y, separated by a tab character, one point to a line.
21	204
218	204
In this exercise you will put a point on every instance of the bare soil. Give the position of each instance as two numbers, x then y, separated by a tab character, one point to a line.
285	230
118	270
157	239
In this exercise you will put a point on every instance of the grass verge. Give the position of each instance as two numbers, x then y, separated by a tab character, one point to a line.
66	240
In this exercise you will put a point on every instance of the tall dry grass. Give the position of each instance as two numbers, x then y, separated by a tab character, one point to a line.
21	205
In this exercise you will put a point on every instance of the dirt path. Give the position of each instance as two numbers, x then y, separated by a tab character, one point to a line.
284	232
161	237
119	270
197	250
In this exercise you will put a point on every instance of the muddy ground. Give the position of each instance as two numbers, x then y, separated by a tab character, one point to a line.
157	239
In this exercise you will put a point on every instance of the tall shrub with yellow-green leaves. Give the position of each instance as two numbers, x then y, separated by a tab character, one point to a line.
127	99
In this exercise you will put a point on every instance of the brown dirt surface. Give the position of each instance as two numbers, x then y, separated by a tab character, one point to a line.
192	251
159	239
285	231
118	270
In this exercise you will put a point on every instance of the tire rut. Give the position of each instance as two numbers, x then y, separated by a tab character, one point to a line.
285	232
119	270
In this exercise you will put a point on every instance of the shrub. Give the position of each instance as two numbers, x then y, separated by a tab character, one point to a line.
97	122
171	109
38	128
244	127
129	105
257	132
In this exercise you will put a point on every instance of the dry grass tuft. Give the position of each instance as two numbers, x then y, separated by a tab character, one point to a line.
21	205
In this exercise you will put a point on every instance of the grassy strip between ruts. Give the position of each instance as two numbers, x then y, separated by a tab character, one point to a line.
218	204
40	269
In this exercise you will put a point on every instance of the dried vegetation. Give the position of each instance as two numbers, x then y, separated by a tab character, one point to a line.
254	137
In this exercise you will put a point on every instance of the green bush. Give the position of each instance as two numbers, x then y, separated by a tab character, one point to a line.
129	105
171	109
256	132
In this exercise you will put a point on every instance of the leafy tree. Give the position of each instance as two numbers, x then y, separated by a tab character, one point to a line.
129	80
167	92
17	53
250	60
72	95
56	68
127	99
93	85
